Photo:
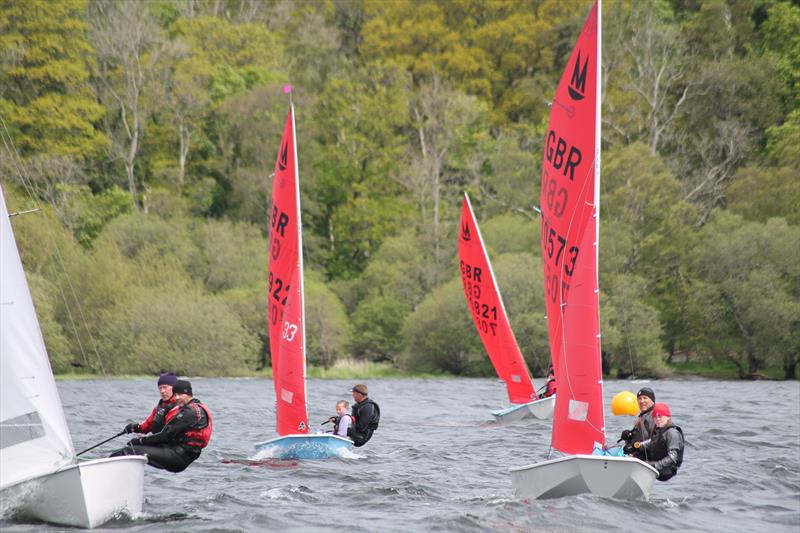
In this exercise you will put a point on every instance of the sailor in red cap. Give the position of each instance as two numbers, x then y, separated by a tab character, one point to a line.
664	450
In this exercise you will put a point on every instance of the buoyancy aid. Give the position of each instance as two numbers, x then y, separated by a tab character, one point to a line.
358	432
160	416
199	434
339	420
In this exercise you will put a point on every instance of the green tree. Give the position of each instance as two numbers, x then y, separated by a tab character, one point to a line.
633	345
495	51
378	326
781	33
167	326
360	121
744	303
45	99
328	329
435	334
227	255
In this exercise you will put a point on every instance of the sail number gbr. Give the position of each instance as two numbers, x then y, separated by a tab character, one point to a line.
485	316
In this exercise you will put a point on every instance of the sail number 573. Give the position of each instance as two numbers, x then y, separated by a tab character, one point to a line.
555	245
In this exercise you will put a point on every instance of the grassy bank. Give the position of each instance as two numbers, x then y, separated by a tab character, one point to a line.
719	370
364	370
342	369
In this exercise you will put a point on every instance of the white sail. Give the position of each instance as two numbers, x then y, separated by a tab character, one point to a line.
34	437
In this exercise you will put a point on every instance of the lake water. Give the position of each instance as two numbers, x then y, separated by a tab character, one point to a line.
439	463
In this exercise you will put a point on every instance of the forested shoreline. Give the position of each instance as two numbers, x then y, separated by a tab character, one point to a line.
146	132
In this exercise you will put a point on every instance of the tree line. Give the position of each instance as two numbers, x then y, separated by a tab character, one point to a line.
147	132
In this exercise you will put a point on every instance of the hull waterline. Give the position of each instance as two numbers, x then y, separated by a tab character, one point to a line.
601	475
313	446
85	495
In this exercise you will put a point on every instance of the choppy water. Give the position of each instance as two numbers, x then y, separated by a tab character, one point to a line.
438	463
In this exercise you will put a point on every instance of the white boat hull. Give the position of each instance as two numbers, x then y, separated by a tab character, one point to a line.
541	409
602	475
87	494
306	446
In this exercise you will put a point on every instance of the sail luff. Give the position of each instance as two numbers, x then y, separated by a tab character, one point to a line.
300	262
483	294
34	436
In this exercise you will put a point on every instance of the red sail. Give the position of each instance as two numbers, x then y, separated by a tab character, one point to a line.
488	312
285	297
570	207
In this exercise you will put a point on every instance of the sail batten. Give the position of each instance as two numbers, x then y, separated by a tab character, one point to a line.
488	311
569	237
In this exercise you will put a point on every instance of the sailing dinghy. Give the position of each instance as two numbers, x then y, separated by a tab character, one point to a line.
286	317
570	230
491	321
40	475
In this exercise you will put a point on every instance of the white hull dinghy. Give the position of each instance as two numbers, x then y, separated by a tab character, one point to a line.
491	321
40	474
602	475
541	409
570	231
87	494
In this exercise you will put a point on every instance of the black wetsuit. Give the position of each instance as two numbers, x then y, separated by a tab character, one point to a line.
167	449
665	451
642	430
367	415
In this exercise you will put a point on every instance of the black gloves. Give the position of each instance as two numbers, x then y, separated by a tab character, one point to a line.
628	449
626	435
132	428
135	442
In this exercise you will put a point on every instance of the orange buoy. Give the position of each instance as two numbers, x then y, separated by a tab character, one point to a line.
624	403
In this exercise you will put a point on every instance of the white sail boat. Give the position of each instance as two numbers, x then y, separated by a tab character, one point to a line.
286	316
489	314
570	206
39	472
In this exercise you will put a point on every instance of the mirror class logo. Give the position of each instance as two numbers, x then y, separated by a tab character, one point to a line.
465	233
284	155
577	85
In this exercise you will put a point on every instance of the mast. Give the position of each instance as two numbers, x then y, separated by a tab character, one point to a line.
301	288
597	150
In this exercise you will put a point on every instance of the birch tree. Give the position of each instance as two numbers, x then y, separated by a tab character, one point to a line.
128	44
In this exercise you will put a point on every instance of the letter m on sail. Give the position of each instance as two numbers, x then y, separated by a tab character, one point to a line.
577	85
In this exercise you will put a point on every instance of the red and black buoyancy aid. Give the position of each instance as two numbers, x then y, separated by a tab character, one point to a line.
199	434
162	413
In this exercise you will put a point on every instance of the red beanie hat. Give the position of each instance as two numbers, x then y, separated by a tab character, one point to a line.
661	409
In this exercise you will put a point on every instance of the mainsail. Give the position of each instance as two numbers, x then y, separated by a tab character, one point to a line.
34	437
488	311
570	230
286	316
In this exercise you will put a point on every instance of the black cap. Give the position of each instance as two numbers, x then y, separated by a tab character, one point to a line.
182	386
644	391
